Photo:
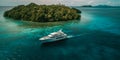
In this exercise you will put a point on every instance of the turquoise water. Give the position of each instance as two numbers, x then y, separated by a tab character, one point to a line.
95	37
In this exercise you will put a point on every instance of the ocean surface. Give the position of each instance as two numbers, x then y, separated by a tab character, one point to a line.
96	36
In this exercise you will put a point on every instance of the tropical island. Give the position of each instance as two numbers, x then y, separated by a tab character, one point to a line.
43	13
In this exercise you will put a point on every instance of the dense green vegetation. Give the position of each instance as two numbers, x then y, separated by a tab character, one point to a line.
43	13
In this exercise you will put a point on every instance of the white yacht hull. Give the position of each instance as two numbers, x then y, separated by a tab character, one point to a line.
52	40
55	36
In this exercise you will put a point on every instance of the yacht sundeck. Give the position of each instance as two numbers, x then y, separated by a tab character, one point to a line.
55	36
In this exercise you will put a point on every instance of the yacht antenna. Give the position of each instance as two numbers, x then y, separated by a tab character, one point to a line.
60	30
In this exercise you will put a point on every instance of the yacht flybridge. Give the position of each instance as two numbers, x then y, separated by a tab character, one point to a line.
55	36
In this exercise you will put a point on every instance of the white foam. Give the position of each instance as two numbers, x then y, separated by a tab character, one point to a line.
71	36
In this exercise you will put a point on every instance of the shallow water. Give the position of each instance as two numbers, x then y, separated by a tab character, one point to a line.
95	37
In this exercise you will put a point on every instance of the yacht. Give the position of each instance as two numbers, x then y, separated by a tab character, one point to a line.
55	36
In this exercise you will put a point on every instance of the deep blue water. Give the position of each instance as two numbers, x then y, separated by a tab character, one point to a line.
95	37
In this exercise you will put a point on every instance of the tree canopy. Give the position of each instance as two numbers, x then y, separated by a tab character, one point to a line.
43	13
